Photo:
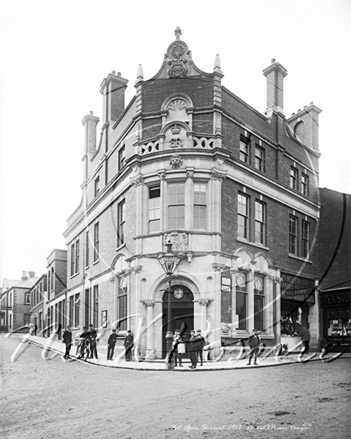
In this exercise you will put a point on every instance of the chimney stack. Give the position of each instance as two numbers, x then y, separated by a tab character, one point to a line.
31	274
275	74
90	122
24	275
306	126
113	89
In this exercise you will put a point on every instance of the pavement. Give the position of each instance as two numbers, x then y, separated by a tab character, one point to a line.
229	363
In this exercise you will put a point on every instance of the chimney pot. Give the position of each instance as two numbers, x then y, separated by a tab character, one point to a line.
113	72
299	110
31	274
24	275
292	114
273	60
91	112
311	103
119	74
305	106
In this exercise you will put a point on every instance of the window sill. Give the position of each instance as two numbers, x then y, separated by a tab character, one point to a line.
295	257
72	276
96	262
261	246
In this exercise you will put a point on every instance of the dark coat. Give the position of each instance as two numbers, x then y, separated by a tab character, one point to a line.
129	341
254	341
112	339
196	343
67	337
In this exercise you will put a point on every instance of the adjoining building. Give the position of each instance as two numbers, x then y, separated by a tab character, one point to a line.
38	303
15	302
234	191
56	301
335	268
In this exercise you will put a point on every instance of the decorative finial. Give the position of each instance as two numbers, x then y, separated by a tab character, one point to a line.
177	32
140	73
217	63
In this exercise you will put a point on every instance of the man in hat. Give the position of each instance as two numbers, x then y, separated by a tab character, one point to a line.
92	340
129	344
111	342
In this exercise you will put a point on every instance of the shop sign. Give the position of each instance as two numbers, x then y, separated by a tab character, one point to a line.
297	288
336	298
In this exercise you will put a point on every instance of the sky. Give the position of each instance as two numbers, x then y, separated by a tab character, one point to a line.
55	54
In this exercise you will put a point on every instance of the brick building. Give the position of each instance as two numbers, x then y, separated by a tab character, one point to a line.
15	302
335	267
235	191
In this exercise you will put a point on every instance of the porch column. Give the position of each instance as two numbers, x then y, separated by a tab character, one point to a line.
277	302
150	351
203	313
250	301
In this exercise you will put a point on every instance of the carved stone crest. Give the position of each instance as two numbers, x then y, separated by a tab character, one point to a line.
179	240
176	161
178	62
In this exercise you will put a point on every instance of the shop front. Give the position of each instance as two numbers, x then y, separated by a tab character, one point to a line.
297	308
336	321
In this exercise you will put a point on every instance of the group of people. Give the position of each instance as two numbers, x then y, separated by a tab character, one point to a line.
128	345
194	347
88	343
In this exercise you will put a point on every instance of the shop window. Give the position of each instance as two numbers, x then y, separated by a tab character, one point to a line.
241	300
259	303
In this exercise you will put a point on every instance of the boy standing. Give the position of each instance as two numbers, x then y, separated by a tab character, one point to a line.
254	344
67	340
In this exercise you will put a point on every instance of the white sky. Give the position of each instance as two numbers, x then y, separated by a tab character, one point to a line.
55	54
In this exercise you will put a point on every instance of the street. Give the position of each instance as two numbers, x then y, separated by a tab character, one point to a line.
56	399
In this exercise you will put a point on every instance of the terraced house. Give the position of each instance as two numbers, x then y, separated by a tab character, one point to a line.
233	191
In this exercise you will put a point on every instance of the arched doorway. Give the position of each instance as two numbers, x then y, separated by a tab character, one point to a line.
182	312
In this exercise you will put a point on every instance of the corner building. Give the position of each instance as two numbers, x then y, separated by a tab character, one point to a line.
234	190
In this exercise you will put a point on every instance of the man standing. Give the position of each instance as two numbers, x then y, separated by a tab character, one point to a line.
67	340
92	337
254	344
129	344
200	343
192	349
112	339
